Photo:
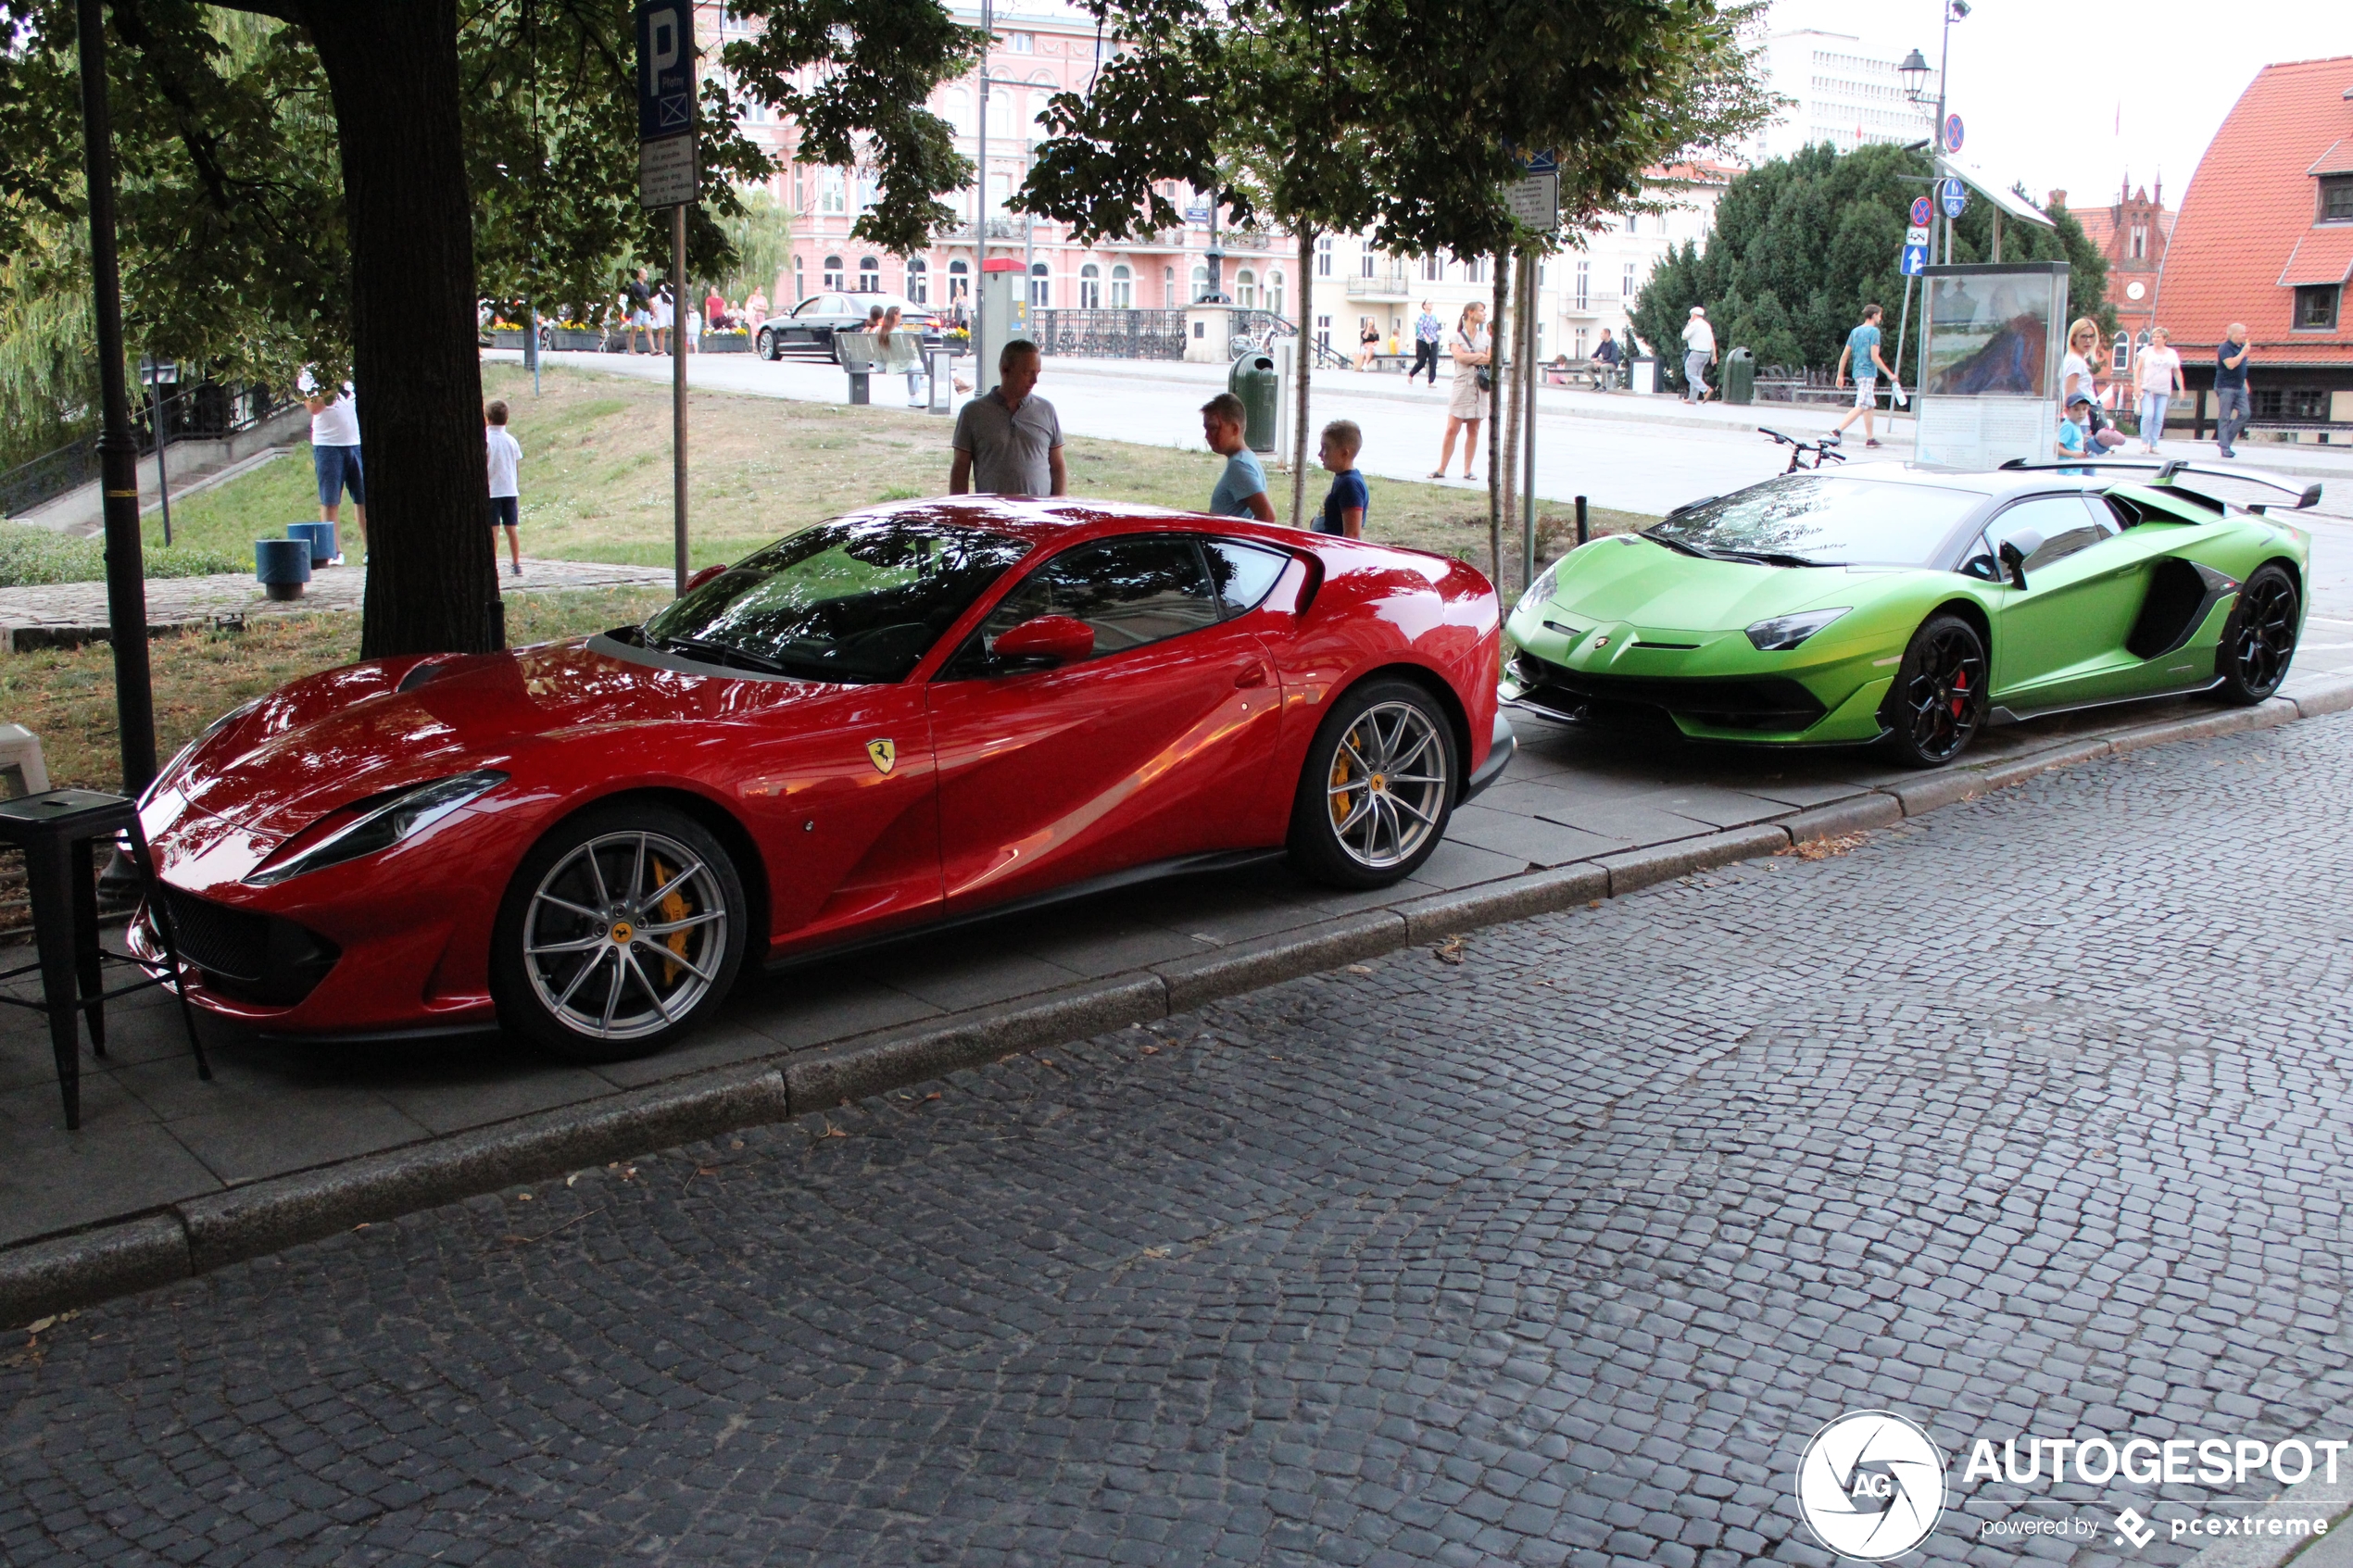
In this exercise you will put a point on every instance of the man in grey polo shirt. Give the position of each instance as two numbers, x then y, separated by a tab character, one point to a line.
1009	442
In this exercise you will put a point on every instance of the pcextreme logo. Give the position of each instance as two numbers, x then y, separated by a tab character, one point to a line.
1871	1486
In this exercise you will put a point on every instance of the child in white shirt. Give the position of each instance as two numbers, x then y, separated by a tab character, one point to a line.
506	505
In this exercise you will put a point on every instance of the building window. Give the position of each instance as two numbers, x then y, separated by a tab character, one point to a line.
1364	263
1433	268
1168	288
799	188
800	289
1200	283
869	187
1475	270
1323	257
1324	334
869	274
1042	285
1123	289
1021	44
1246	289
832	196
2291	403
1584	286
918	281
832	275
2336	198
1581	344
1629	295
959	282
958	105
1091	287
2119	358
2316	307
2137	247
1274	293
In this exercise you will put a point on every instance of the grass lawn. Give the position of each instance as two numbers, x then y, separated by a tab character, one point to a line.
596	476
66	697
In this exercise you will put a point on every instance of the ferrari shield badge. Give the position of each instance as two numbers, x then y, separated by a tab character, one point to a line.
883	754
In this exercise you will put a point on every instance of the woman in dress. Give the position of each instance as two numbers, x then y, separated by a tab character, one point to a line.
1466	403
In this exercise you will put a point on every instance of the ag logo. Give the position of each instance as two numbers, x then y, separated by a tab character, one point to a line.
883	754
1871	1486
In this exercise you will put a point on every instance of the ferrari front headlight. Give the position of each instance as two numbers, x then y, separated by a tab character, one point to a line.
1783	632
383	825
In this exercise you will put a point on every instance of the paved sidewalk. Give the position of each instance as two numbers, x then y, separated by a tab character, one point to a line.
61	614
1606	812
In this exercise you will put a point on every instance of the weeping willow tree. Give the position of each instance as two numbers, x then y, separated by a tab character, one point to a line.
48	352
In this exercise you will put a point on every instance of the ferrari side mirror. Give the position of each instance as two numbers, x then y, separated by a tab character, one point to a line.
2015	563
1051	639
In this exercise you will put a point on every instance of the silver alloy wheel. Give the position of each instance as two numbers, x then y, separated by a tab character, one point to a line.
1388	784
624	935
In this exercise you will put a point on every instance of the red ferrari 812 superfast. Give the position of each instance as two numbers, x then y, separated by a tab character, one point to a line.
906	716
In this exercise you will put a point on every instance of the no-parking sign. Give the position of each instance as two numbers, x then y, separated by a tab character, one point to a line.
1922	210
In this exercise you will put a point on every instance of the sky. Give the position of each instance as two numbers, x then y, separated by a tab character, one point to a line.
2073	97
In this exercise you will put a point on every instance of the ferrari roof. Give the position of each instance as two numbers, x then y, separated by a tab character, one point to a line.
1044	521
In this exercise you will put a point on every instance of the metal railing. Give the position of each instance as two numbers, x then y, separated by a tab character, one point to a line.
204	409
1388	285
1109	334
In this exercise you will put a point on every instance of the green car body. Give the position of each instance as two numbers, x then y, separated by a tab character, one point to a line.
2136	602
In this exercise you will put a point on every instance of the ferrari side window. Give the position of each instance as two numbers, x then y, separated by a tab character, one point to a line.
1244	573
1131	591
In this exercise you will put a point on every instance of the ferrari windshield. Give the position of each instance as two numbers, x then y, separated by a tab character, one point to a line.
1821	520
855	601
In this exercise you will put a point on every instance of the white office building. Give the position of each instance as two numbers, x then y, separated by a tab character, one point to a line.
1840	90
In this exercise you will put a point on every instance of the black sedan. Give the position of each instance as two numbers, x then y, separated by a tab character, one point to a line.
812	323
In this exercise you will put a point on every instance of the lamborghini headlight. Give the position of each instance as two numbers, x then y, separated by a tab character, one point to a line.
1785	631
385	823
1539	590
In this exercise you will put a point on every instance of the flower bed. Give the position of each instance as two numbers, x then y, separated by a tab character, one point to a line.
725	343
575	338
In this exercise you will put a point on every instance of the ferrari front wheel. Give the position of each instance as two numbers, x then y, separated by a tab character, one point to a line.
1938	702
2260	637
1378	789
623	928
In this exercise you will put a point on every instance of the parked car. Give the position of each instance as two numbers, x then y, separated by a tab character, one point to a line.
1917	607
907	715
813	322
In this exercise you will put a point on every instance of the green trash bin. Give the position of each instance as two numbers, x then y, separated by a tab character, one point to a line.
1740	376
1253	381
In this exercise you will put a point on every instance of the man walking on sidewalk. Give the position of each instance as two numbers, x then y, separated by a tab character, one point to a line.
1862	347
1427	333
1699	352
2230	408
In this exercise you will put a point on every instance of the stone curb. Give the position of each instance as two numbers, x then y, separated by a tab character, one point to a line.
204	1232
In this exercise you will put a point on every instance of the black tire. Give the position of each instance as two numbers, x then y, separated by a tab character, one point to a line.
1349	827
767	344
1938	702
579	869
2258	640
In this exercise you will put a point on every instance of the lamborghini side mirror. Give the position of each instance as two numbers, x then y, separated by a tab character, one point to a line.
2014	563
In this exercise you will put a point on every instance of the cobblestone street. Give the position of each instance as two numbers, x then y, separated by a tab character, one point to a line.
2023	1117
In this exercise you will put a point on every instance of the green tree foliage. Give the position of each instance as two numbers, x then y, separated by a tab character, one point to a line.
1800	245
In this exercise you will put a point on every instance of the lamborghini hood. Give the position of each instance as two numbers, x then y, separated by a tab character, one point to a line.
1636	581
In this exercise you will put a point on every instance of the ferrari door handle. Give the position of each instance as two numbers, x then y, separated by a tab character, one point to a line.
1255	675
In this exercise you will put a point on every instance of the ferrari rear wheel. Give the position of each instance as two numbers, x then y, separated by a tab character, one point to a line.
1377	788
2260	638
621	930
1938	702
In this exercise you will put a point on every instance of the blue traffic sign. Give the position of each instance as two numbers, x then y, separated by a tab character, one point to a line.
665	68
1956	195
1915	259
1922	210
1952	133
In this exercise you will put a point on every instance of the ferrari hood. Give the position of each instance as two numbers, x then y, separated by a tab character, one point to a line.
1637	581
334	738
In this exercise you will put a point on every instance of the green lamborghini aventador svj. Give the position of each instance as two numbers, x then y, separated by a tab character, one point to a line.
1917	607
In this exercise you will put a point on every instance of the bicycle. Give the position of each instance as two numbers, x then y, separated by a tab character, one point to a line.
1798	449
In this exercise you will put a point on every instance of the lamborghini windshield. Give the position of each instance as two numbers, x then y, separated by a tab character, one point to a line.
1821	519
855	601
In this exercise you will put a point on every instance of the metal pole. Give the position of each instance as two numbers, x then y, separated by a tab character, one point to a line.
1527	420
678	389
163	478
1896	360
1494	434
1584	523
980	204
531	342
117	449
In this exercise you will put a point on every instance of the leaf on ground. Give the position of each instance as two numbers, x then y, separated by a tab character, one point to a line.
1450	950
1824	848
1360	968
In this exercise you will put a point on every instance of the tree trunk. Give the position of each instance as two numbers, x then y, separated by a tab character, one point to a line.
392	66
1507	399
1495	423
1304	363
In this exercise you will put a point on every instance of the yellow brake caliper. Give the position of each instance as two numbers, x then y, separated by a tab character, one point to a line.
673	909
1339	804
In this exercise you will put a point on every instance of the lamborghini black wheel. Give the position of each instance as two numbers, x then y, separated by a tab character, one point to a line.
1938	702
2260	638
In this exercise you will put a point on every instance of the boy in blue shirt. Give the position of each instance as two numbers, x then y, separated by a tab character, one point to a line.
1347	502
1241	488
2075	430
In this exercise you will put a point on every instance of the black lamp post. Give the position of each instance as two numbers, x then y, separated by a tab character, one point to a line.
118	450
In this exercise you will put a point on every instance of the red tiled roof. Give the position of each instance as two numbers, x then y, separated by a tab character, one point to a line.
2246	225
2099	226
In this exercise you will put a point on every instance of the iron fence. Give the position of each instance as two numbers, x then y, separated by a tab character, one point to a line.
204	409
1109	334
